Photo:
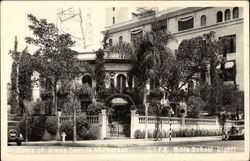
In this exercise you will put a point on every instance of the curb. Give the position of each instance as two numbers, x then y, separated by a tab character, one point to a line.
151	143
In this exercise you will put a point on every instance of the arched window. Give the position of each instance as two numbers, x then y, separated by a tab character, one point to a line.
121	82
227	14
219	16
203	20
110	42
120	39
235	12
87	79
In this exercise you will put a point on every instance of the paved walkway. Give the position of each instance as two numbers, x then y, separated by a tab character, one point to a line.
122	142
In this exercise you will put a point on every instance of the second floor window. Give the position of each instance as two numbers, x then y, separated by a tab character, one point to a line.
235	12
228	44
186	23
203	20
219	16
113	20
227	15
110	42
136	35
120	39
160	25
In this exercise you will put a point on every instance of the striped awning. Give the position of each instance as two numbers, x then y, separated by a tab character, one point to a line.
119	101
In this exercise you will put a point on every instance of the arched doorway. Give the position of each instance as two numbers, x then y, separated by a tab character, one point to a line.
87	79
119	117
121	82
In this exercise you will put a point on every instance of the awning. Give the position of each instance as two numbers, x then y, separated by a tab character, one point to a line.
119	101
185	19
229	64
136	31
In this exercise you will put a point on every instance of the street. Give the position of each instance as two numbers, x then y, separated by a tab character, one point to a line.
232	146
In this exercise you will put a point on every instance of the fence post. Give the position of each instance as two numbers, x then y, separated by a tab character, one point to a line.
103	124
134	122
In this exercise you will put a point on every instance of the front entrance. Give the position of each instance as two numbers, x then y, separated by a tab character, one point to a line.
119	122
119	116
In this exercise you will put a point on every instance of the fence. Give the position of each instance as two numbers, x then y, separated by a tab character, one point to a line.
138	123
92	119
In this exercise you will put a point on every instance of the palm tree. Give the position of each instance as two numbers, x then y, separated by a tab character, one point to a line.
145	55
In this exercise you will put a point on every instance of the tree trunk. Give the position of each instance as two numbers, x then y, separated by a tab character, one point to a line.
74	121
146	111
54	92
26	124
213	83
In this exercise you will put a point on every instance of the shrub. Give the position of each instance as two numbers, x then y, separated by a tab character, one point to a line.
139	134
51	125
95	109
36	128
82	127
93	133
67	127
195	104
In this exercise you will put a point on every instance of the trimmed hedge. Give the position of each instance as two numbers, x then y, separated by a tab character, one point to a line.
84	130
36	128
51	125
67	127
180	133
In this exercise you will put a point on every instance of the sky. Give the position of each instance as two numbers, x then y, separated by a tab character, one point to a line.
15	23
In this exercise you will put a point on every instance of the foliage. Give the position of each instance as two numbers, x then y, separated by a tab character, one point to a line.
124	49
67	127
95	109
82	127
57	61
99	70
85	131
195	106
93	133
179	133
36	128
51	125
104	41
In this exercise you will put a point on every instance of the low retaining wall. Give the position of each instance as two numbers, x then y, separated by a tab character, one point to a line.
177	123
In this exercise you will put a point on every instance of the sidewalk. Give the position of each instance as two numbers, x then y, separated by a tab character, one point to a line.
122	142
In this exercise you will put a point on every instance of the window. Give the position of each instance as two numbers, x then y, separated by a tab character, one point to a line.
160	26
219	16
121	82
228	44
203	20
186	23
113	20
136	35
120	39
227	14
87	79
113	8
228	71
235	12
110	42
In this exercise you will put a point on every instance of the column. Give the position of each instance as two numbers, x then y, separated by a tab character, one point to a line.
103	124
134	123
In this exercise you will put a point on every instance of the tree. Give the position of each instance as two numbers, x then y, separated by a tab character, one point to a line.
75	90
13	97
57	60
99	70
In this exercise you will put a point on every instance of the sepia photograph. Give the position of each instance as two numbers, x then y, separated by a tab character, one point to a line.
117	80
